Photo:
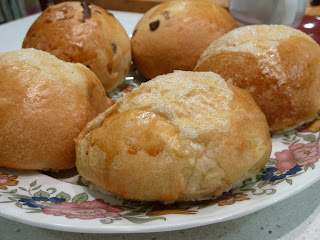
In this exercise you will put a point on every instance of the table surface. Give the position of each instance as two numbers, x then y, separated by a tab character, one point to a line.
295	218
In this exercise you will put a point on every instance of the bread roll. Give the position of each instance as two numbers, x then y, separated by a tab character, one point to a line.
278	65
88	34
179	137
172	35
44	104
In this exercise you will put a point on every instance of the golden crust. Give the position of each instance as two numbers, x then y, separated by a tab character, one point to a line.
181	136
313	10
44	104
99	41
172	35
278	65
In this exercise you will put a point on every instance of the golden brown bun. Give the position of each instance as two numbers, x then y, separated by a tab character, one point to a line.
278	65
313	10
181	136
172	35
44	104
98	41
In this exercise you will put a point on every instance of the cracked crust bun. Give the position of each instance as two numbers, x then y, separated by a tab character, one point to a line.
44	104
172	35
84	33
278	65
179	137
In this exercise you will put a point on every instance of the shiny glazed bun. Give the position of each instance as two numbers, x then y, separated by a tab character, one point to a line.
88	34
278	65
172	35
181	136
44	104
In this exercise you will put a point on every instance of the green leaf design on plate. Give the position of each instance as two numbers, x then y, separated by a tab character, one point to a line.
42	194
273	191
312	166
106	221
296	141
308	137
138	220
264	191
254	191
33	183
18	196
285	140
64	195
36	188
13	190
18	204
137	212
35	211
23	189
279	181
82	197
133	213
289	181
7	201
273	161
262	184
247	187
52	190
12	199
286	136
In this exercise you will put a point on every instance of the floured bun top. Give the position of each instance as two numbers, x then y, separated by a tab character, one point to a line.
84	33
172	35
44	104
181	136
278	65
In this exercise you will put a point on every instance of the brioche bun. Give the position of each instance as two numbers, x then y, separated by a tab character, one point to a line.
88	34
179	137
172	35
278	65
44	104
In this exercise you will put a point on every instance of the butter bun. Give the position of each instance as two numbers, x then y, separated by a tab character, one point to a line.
84	33
172	35
178	137
44	104
278	65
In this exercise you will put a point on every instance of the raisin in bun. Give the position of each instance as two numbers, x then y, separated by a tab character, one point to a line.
172	35
278	65
88	34
178	137
44	104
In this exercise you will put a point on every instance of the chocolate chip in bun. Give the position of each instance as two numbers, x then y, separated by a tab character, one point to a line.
278	65
44	104
172	35
84	33
178	137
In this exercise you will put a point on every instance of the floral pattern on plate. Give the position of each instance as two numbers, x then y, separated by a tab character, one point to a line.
299	153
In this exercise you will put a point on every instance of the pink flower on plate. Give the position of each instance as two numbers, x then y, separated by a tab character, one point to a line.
298	154
86	210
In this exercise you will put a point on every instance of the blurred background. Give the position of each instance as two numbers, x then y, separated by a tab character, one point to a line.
14	9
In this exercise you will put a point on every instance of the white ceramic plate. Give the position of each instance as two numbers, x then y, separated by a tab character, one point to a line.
58	202
34	198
